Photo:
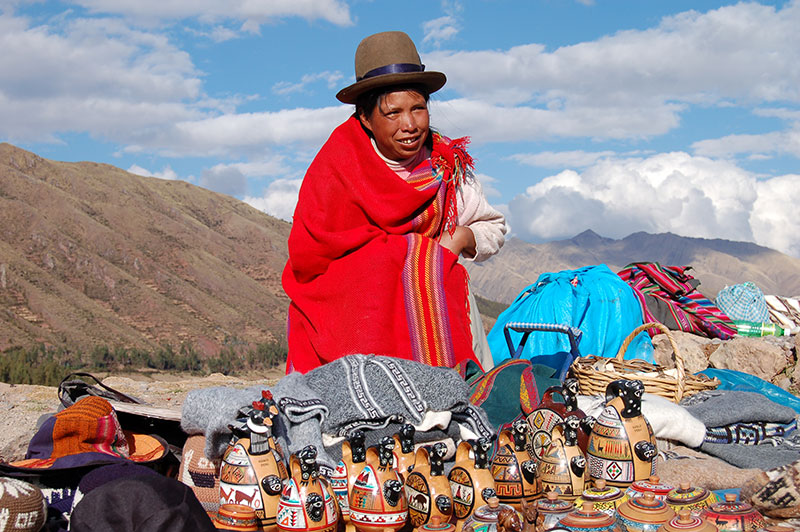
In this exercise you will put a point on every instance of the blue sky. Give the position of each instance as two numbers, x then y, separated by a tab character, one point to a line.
616	116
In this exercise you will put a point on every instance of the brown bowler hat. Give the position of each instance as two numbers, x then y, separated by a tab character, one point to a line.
385	59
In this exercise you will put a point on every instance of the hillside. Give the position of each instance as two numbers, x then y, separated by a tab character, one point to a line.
93	255
716	263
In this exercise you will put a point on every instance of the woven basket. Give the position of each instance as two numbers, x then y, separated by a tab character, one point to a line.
594	373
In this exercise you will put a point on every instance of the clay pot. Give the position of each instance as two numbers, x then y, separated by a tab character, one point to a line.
427	488
562	468
604	497
550	413
513	467
471	480
622	447
252	470
307	501
652	484
493	517
686	522
377	502
436	525
236	517
551	510
731	515
587	519
404	455
643	514
690	498
354	456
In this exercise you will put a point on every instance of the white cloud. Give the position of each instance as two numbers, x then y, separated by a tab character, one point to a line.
562	159
251	13
331	79
487	185
166	173
759	146
440	29
279	198
675	192
224	179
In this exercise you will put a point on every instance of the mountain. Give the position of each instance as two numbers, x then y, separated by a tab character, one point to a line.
93	255
716	263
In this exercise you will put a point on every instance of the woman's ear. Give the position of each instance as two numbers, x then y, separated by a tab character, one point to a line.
362	117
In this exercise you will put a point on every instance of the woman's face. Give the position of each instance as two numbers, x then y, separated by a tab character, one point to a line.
399	124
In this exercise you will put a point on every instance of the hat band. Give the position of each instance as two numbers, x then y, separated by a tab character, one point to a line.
394	68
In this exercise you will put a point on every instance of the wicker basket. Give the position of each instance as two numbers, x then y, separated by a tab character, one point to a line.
594	373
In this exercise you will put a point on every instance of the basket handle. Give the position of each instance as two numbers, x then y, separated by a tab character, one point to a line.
679	366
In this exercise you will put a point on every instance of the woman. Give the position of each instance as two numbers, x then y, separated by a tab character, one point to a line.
385	209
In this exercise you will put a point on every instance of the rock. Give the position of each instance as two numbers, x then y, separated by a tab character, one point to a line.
750	355
694	350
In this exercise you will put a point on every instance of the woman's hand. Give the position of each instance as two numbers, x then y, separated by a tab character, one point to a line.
462	241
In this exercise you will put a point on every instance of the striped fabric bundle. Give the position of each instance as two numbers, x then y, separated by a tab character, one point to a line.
669	295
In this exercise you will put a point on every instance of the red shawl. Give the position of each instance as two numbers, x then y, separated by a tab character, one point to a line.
365	273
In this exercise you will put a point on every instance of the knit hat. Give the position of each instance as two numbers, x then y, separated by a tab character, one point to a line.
85	434
22	506
200	473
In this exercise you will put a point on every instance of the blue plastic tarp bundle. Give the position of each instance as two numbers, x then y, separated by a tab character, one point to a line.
593	299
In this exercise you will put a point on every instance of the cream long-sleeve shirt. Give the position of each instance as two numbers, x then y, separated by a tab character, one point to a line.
488	225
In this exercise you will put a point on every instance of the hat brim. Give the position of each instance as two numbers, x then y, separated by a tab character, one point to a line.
144	449
433	81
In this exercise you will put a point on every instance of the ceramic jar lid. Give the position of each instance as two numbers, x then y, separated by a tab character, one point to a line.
436	525
645	509
488	512
587	518
686	522
652	484
731	515
686	494
602	492
553	505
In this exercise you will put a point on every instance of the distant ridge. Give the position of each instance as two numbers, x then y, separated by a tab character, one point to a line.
715	262
93	255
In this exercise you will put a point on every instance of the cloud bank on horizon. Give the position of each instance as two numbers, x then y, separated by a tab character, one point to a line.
683	120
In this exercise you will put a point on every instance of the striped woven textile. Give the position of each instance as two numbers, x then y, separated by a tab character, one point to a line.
669	296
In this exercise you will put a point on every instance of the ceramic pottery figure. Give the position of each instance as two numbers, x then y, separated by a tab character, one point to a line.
493	517
253	470
562	468
354	456
549	510
307	501
377	501
404	455
471	481
605	498
686	522
643	514
427	488
550	413
588	519
514	468
690	498
622	447
653	484
731	515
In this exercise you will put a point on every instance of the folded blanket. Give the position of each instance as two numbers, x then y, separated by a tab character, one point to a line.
365	392
668	420
717	408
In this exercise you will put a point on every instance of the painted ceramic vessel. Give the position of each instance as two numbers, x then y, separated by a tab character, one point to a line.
252	470
690	498
731	515
550	413
588	519
236	517
652	484
622	447
404	455
427	488
307	501
436	525
354	456
685	521
604	497
550	510
377	502
471	480
493	517
643	514
562	468
513	467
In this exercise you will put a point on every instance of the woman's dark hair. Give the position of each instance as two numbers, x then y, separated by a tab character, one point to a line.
367	102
